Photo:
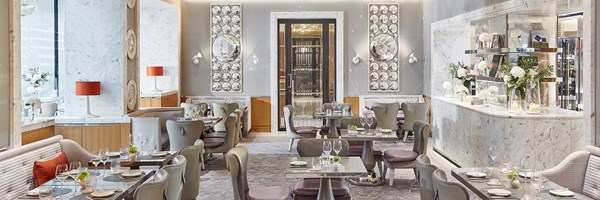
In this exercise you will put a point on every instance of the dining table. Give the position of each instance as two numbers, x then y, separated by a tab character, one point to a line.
157	159
209	122
350	167
121	187
480	186
367	156
333	119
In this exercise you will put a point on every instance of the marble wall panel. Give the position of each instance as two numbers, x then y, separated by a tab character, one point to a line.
93	45
448	46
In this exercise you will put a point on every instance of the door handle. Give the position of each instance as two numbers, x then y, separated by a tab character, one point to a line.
291	81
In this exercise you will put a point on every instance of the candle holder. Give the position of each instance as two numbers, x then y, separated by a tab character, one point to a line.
533	98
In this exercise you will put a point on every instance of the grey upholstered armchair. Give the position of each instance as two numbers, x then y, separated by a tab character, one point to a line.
223	145
448	190
424	175
237	164
223	110
403	159
176	180
154	189
386	114
578	172
292	132
412	113
183	133
192	155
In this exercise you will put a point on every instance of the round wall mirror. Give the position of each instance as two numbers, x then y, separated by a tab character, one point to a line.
383	47
226	48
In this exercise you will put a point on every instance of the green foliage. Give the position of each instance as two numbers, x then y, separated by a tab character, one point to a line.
82	176
336	159
133	149
512	175
353	128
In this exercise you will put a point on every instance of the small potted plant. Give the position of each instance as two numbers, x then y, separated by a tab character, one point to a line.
82	178
352	130
335	160
132	152
512	177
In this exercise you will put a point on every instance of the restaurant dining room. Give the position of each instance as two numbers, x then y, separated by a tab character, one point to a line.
299	100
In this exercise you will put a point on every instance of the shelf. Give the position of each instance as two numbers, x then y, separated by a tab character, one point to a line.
513	50
306	46
306	70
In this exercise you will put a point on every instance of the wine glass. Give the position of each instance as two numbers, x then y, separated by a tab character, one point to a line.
333	105
327	147
203	108
95	159
339	106
369	122
537	183
103	153
493	155
61	175
337	146
74	169
363	121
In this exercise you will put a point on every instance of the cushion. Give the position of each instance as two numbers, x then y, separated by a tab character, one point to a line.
307	132
218	134
400	155
269	193
43	171
213	142
591	181
310	187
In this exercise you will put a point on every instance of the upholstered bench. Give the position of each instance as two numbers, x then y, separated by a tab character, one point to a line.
152	122
579	171
16	165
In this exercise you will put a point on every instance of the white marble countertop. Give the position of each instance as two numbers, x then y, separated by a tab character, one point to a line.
28	125
502	112
157	94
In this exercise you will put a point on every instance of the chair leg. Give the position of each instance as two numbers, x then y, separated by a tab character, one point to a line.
202	161
291	143
380	169
225	160
384	171
391	177
405	135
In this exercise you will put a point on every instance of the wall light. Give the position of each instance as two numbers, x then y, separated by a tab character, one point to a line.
412	58
356	59
196	58
255	59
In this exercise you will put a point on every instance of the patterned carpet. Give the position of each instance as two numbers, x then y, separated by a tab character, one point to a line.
268	162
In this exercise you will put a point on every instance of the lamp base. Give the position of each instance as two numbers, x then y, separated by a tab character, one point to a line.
90	116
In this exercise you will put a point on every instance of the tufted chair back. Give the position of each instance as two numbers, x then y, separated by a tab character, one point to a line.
412	113
154	188
237	161
176	180
192	169
386	114
448	190
310	147
424	171
184	133
223	110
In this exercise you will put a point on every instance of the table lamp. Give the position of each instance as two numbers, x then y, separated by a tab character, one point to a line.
155	71
87	88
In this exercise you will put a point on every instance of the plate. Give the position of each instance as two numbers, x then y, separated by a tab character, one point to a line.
132	95
374	86
386	130
216	87
298	163
114	154
34	192
475	174
216	19
499	192
134	173
360	129
394	9
158	154
383	9
216	9
236	9
374	9
394	19
374	28
226	86
102	193
236	86
383	19
563	192
526	175
383	86
131	44
383	28
226	19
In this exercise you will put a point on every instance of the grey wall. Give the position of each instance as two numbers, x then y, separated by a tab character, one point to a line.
435	10
195	79
4	76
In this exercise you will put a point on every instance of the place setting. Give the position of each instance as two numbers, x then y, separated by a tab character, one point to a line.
125	176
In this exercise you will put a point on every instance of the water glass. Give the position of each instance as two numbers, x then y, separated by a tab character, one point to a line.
328	112
92	182
378	130
45	193
115	166
316	163
337	146
327	147
124	153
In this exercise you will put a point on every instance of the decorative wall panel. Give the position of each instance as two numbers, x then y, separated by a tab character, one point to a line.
383	48
226	47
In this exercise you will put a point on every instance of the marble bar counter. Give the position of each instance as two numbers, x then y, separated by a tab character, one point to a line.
157	94
42	122
29	125
466	134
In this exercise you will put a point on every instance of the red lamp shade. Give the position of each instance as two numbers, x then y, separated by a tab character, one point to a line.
154	71
86	88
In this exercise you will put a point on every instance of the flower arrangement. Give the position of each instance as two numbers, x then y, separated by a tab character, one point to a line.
353	128
82	177
133	150
483	66
512	177
461	90
36	79
485	37
461	72
336	159
517	77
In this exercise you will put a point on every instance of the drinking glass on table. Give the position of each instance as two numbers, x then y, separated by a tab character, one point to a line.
337	146
327	147
115	166
103	159
74	169
61	175
333	105
203	109
493	155
363	121
369	122
45	192
95	159
124	153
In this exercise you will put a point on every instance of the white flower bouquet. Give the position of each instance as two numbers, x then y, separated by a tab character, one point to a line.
485	37
461	72
517	77
36	79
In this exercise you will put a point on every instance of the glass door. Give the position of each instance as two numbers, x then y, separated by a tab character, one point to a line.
306	67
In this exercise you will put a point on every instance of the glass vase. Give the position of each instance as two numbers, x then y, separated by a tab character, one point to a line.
533	98
516	103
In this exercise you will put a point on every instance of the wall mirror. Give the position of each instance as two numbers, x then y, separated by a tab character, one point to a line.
226	47
383	48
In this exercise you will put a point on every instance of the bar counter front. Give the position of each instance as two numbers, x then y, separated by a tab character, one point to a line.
466	134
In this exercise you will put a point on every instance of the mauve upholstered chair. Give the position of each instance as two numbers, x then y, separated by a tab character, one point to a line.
424	175
176	180
153	189
448	190
292	131
412	113
404	159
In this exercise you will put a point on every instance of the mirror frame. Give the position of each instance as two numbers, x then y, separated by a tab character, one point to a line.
218	62
381	27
